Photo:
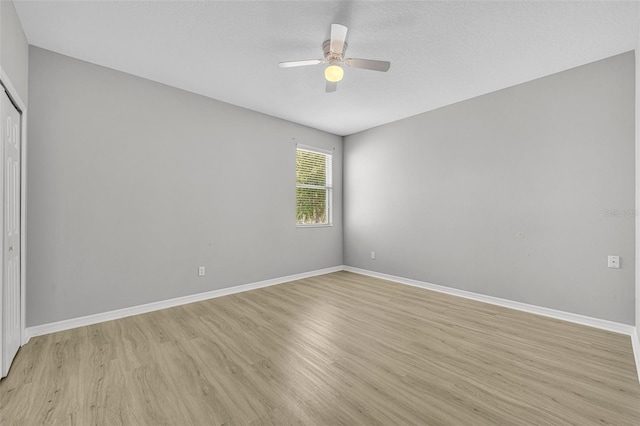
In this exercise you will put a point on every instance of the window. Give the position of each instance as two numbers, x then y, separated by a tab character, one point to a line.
313	186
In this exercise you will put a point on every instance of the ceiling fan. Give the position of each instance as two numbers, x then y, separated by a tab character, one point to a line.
334	49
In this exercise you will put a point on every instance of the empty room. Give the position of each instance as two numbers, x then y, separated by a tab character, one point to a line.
319	213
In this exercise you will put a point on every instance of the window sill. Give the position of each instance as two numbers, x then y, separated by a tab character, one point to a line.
326	225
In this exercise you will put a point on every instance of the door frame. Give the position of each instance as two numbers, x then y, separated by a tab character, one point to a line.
5	82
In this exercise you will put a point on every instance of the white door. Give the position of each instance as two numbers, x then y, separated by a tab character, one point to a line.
10	306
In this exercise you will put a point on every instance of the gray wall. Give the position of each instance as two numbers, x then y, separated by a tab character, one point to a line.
133	185
637	179
506	194
14	51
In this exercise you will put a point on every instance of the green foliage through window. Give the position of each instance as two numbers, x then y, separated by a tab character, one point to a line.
313	187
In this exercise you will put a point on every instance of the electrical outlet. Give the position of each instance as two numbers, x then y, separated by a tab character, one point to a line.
373	255
613	262
201	271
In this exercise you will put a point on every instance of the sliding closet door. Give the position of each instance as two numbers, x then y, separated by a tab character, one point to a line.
10	318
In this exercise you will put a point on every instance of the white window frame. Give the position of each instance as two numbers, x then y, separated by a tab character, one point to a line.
328	187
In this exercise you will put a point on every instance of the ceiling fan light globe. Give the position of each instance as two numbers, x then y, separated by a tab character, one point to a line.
333	73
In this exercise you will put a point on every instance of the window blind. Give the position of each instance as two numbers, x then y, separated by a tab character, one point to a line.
314	186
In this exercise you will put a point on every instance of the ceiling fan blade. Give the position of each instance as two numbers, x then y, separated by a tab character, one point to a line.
368	64
290	64
338	37
331	87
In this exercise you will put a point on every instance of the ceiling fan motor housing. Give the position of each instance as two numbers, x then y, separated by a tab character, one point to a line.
332	57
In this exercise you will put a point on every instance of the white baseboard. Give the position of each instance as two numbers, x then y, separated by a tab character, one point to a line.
615	327
53	327
612	326
635	342
155	306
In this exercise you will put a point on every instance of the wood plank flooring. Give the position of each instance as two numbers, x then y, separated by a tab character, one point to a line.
337	349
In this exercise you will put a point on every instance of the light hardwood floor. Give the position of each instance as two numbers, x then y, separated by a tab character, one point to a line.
337	349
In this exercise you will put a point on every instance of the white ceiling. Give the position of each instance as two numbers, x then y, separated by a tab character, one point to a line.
440	52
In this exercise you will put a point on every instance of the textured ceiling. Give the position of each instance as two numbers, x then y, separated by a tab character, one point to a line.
440	52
